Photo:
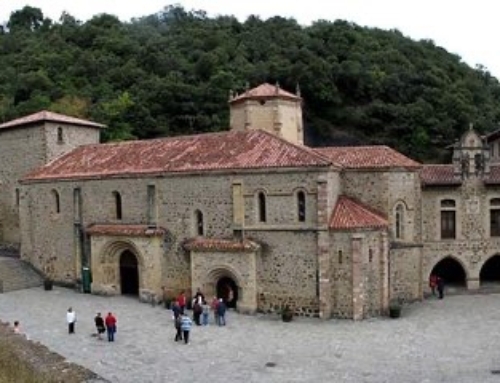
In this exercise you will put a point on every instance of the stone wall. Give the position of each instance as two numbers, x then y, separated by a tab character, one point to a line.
473	245
406	273
73	136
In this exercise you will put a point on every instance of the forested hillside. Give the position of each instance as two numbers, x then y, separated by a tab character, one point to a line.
170	73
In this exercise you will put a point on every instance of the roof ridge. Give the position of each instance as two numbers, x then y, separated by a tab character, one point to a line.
365	206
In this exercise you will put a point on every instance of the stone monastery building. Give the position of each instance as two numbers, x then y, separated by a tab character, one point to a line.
331	232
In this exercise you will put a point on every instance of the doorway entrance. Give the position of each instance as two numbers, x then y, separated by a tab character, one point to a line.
451	271
490	272
129	273
227	289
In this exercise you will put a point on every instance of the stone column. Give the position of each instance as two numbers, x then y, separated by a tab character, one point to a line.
358	296
323	252
384	272
473	283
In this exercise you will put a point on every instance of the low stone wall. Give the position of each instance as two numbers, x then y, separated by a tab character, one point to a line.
25	361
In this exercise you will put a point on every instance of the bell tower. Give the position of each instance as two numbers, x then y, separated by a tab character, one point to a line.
270	108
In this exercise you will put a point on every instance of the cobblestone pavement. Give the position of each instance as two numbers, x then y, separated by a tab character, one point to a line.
454	340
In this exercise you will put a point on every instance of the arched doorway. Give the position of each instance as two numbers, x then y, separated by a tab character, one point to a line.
129	273
451	271
227	289
490	272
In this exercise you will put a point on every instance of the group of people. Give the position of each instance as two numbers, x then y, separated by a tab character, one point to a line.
436	283
201	314
102	325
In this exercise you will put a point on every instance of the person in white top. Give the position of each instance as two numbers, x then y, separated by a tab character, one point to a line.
71	319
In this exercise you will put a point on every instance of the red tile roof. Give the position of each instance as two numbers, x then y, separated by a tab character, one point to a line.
125	230
367	157
351	214
439	175
494	177
218	244
265	90
203	152
45	115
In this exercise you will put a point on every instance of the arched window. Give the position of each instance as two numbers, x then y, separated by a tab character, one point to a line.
448	219
18	197
399	222
198	216
57	203
118	204
261	199
495	217
60	136
301	206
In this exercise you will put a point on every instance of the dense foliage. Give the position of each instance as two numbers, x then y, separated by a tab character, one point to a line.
170	73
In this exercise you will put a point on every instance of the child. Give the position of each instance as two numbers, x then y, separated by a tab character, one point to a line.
186	324
177	324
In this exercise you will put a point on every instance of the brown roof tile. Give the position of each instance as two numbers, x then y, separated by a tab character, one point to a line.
265	90
351	214
125	230
438	175
204	152
218	244
45	115
494	177
367	157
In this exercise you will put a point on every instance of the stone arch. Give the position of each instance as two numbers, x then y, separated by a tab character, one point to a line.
224	273
451	269
490	270
110	258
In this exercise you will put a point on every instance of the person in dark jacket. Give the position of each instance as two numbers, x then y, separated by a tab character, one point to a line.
440	287
99	324
177	323
197	311
221	312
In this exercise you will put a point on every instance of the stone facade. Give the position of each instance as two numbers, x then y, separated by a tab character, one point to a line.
339	236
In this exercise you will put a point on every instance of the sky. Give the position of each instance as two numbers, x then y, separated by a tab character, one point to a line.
467	28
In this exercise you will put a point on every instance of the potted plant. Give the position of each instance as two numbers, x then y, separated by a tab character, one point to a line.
48	284
395	310
287	314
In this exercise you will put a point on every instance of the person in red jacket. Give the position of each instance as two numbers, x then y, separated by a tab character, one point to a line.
181	299
111	327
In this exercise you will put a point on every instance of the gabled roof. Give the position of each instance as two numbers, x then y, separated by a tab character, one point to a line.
46	116
125	230
439	175
351	214
220	244
265	90
367	157
233	150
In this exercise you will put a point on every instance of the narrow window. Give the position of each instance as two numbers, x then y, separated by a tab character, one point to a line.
370	255
60	137
448	219
118	204
399	219
199	223
77	202
495	217
340	257
301	206
262	207
18	197
57	204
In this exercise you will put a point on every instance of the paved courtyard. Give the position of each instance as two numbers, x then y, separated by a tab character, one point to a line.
454	340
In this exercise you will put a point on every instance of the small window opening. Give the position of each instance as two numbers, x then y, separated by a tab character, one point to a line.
118	205
199	223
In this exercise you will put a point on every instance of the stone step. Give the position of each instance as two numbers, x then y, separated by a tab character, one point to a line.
16	274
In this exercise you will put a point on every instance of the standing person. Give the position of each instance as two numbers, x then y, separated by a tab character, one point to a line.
177	323
199	297
99	324
181	299
111	327
197	311
215	303
206	312
433	281
186	324
176	309
440	287
71	320
221	311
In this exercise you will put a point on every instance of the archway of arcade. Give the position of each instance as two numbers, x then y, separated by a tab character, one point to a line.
452	273
489	275
129	273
